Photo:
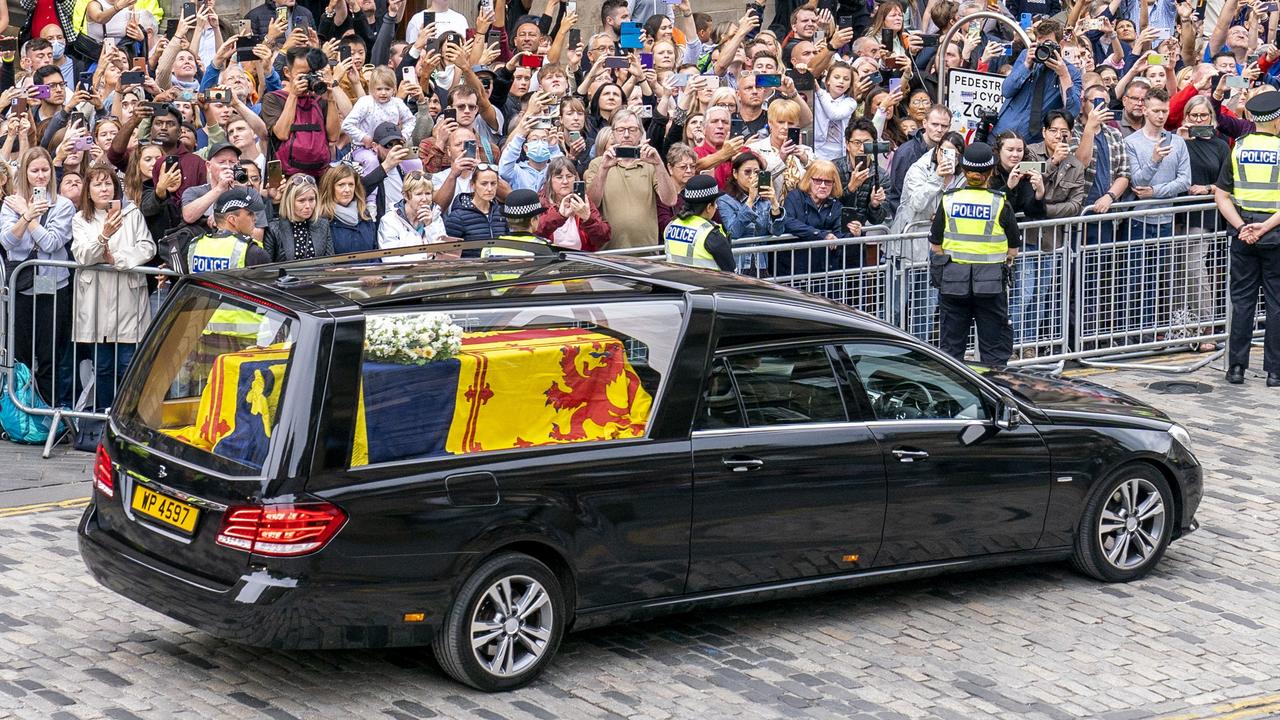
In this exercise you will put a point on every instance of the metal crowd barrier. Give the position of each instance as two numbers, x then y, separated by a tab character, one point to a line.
75	380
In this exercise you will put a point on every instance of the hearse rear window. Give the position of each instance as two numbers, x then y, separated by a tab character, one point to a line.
470	381
216	371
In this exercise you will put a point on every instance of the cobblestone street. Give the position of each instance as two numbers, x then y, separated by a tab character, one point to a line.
1198	638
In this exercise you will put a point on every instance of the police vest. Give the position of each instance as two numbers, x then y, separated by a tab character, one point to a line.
513	252
212	253
685	241
973	233
1255	169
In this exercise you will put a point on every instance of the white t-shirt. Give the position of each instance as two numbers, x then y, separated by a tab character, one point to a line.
447	21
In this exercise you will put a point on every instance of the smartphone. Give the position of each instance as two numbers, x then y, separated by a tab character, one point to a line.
627	152
133	77
949	156
713	81
531	61
680	80
409	73
646	60
469	148
886	39
344	52
768	80
794	136
617	62
737	127
847	215
803	81
82	144
764	179
9	45
580	188
449	114
245	54
571	7
275	174
189	10
861	163
78	118
894	84
219	95
1201	132
39	194
1155	59
170	27
428	17
170	161
246	28
1024	21
844	21
113	206
19	105
575	38
1267	8
486	6
156	107
1031	166
1099	102
492	37
282	13
140	64
1237	82
929	40
42	92
575	135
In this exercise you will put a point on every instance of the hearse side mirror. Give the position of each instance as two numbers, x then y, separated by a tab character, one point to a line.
1007	415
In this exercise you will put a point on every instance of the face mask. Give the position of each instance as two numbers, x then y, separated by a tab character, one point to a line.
538	150
59	47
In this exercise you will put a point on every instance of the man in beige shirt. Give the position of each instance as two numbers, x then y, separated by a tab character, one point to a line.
627	190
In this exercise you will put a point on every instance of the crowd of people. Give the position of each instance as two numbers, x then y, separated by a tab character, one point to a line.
310	128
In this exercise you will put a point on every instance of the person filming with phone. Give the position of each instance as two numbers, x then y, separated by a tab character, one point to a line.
1040	81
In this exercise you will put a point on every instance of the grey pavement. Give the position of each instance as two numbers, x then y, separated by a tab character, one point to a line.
1198	638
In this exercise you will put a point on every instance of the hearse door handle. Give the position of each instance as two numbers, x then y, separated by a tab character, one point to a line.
906	456
742	464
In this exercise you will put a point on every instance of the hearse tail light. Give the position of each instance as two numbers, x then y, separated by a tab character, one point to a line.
280	530
104	478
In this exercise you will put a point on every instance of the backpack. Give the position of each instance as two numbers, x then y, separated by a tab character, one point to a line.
307	149
19	426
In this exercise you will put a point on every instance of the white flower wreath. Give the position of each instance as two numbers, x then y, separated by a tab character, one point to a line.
415	339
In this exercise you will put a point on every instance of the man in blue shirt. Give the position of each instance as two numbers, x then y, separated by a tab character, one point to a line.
1053	85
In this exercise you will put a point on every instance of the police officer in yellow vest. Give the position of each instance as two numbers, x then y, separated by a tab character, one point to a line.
1248	196
229	247
691	238
522	209
974	239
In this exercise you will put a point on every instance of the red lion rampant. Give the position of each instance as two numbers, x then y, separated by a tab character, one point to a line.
587	395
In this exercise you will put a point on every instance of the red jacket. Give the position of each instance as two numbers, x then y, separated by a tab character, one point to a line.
593	231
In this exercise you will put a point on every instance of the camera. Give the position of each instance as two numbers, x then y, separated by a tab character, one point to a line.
875	148
240	175
1047	51
316	84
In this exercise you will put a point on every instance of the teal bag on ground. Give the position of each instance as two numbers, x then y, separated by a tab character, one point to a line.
19	426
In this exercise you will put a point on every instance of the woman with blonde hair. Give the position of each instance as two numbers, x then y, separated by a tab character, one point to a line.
781	156
35	223
112	308
812	212
342	203
299	233
417	220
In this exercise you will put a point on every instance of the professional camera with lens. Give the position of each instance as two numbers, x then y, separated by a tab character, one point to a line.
876	148
1047	51
316	84
240	175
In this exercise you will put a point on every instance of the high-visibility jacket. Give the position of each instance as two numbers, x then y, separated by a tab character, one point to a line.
973	233
685	241
1255	170
217	251
513	252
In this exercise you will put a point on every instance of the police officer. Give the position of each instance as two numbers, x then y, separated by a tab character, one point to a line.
521	210
1248	196
691	238
229	246
974	239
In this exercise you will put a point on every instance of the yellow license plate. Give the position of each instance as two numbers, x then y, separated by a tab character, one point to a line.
165	509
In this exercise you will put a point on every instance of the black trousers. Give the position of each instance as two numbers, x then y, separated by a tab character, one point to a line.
42	339
956	314
1254	267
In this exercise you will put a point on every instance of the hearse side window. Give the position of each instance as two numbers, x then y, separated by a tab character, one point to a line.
906	384
777	386
475	380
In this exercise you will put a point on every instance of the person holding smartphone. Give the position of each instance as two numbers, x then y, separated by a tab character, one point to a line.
35	223
1208	152
627	181
780	151
112	311
749	208
571	220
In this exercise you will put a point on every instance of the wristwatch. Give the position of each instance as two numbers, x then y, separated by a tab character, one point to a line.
1112	196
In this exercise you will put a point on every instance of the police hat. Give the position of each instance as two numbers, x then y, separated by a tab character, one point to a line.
700	190
237	198
979	157
1264	107
523	204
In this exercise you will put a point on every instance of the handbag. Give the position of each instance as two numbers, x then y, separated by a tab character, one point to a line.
89	433
24	281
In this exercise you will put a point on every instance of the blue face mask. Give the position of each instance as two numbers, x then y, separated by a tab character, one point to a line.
538	150
59	47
